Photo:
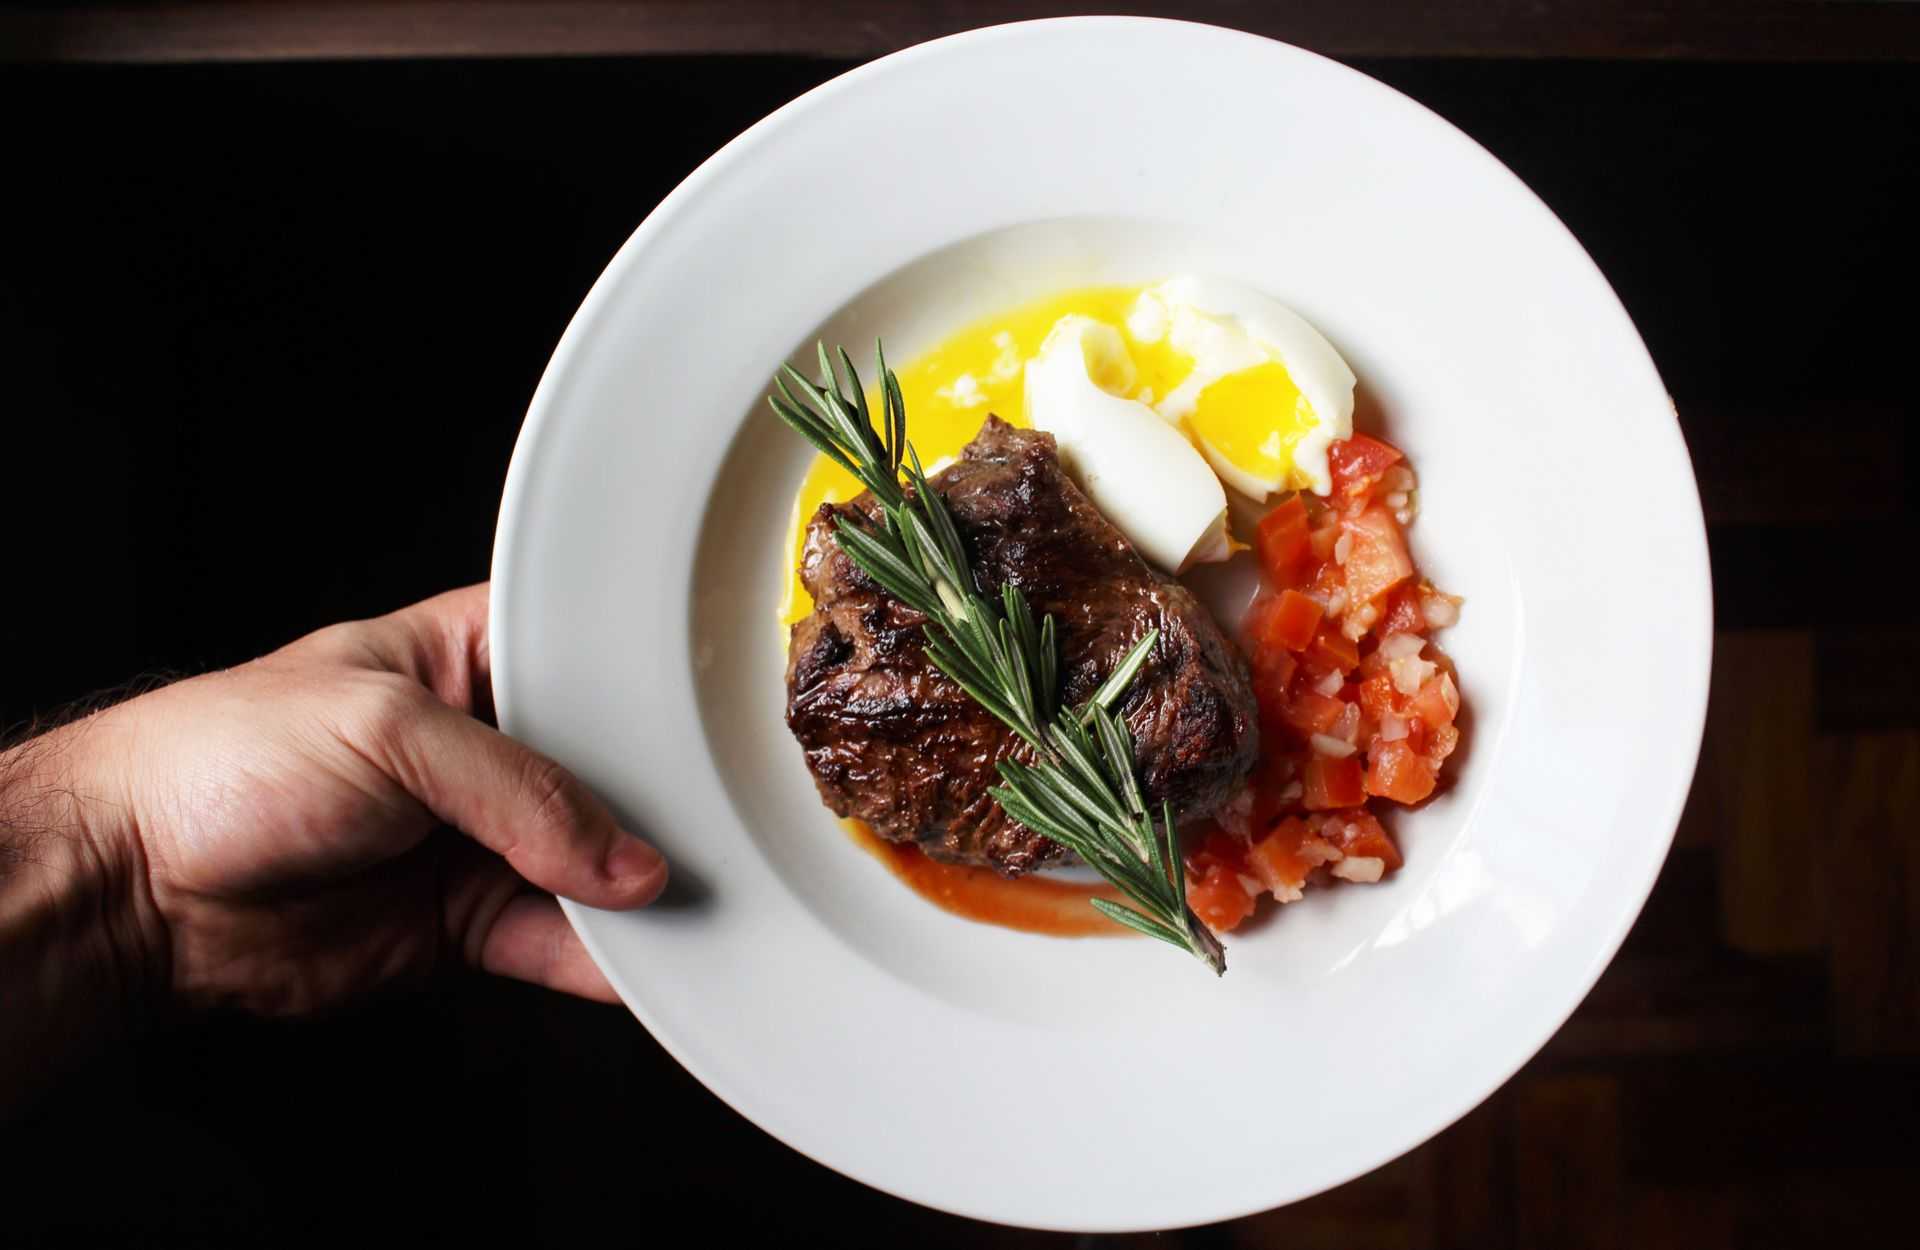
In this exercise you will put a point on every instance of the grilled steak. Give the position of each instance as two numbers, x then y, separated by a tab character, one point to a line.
893	742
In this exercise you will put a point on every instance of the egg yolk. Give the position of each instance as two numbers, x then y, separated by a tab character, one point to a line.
1253	419
949	392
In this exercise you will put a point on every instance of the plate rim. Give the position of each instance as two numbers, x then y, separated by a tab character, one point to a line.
1689	731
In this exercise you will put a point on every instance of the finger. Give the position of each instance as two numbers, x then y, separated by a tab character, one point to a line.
520	804
447	647
439	642
501	927
530	940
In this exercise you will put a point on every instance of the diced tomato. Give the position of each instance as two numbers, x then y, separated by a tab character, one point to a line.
1395	772
1328	580
1331	652
1293	621
1378	698
1310	713
1219	899
1276	860
1285	621
1306	808
1437	702
1283	545
1273	667
1357	463
1322	540
1377	560
1220	848
1358	834
1404	614
1331	783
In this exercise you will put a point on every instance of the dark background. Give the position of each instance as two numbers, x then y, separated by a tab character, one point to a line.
269	331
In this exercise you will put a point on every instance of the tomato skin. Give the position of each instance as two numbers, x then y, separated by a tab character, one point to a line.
1218	847
1323	539
1395	772
1377	560
1282	543
1219	899
1328	783
1357	463
1273	668
1276	860
1331	652
1294	619
1308	713
1378	698
1404	615
1357	833
1436	703
1283	622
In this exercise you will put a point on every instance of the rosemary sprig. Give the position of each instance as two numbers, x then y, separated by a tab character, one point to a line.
1079	789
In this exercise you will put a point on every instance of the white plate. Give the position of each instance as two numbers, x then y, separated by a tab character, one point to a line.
1096	1084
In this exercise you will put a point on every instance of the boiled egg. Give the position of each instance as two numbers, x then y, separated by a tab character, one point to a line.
1139	471
1264	394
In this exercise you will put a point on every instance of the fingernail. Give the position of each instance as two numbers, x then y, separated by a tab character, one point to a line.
633	860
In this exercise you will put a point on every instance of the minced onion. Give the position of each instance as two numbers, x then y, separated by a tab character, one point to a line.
1363	869
1410	673
1440	611
1347	728
1392	728
1399	646
1338	748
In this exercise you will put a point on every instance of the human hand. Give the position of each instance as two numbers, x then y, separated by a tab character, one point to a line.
278	833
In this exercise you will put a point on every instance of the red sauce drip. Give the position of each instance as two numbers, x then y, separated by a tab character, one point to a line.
1029	904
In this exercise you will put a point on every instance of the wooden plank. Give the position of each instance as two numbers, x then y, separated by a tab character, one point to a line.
1464	1196
1672	1216
1789	30
1569	1186
1754	772
1870	827
1867	678
1644	1006
1725	1119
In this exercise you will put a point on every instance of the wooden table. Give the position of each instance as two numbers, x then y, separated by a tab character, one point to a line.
270	331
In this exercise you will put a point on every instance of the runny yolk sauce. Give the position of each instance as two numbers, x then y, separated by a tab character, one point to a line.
1030	904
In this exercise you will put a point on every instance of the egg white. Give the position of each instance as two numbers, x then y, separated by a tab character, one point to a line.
1224	328
1141	473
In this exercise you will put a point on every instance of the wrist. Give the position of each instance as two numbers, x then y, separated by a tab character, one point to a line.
82	956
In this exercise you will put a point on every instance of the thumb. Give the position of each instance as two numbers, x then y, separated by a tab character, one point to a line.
524	806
